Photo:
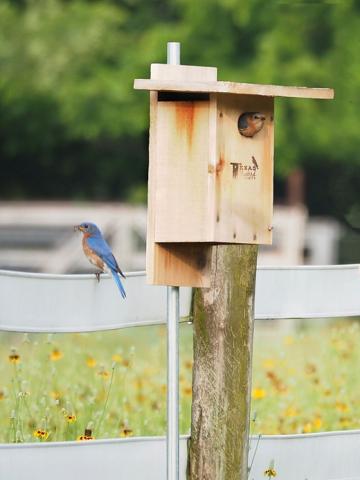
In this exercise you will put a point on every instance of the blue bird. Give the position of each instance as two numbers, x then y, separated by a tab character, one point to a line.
250	123
99	253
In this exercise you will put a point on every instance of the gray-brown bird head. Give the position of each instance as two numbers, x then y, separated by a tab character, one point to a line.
250	123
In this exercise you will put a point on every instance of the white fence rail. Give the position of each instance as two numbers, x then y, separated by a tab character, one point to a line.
318	456
75	303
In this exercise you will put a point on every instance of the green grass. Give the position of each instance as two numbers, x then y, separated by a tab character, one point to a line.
114	383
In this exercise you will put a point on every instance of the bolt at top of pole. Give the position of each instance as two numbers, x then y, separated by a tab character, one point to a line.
173	53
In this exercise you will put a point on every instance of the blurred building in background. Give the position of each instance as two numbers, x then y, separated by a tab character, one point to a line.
40	236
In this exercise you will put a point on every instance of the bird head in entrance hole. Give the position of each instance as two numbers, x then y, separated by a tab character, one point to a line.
250	123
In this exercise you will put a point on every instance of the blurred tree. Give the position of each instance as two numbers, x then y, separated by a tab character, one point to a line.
71	126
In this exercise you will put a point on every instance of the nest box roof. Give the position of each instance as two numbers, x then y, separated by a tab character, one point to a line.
183	78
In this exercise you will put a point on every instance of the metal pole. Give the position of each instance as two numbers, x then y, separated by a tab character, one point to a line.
173	383
173	58
173	53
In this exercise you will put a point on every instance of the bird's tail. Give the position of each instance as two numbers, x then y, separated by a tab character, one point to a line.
118	283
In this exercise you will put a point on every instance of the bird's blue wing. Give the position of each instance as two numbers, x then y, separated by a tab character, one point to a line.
102	249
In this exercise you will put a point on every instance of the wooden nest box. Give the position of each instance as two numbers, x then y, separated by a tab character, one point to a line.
210	167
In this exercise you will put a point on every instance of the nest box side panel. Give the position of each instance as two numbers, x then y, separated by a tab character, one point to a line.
244	175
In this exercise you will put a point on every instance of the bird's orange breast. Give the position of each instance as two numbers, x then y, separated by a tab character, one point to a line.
91	255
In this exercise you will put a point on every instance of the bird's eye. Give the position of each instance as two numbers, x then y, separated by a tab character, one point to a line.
86	226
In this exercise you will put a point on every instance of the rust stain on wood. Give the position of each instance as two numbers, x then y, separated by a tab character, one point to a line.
220	165
185	115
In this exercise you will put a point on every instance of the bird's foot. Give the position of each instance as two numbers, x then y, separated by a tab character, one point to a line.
97	275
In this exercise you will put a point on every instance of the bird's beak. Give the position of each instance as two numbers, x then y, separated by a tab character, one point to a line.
78	227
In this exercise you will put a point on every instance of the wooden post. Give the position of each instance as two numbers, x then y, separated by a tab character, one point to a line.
223	333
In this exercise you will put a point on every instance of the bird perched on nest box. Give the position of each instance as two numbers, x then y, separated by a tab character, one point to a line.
99	254
250	123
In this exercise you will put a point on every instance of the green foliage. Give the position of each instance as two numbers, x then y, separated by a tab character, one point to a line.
69	116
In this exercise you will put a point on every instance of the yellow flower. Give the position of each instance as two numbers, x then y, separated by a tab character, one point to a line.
126	432
14	357
87	435
55	395
140	398
270	472
341	407
117	358
258	393
56	355
41	434
317	422
345	422
187	391
71	418
291	412
269	364
307	428
188	364
91	362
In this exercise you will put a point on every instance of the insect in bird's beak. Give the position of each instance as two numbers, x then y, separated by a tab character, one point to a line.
78	228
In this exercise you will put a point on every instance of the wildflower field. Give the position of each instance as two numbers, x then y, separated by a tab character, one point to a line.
113	384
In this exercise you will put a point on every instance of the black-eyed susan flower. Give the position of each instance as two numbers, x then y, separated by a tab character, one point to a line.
126	432
270	472
41	434
87	435
56	355
70	418
14	357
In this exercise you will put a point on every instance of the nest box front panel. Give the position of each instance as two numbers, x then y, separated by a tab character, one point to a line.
183	143
244	171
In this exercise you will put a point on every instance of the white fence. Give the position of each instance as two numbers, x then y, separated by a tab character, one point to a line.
67	303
